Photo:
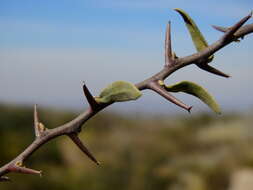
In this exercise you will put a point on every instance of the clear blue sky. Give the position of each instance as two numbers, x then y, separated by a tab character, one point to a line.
48	47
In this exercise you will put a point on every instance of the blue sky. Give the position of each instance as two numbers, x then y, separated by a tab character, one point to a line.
48	47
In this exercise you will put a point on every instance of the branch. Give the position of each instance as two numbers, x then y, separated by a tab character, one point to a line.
72	128
230	33
202	55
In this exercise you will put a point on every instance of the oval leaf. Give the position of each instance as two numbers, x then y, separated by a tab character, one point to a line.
197	37
119	91
195	90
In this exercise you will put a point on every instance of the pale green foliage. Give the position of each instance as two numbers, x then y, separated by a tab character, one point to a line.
197	37
195	90
119	91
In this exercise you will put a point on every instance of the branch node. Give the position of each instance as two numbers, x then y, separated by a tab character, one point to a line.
74	137
91	100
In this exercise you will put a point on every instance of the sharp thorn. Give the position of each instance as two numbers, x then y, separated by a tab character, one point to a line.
220	28
36	121
18	168
39	128
230	33
211	69
189	109
29	171
224	29
35	114
91	100
168	48
74	137
161	91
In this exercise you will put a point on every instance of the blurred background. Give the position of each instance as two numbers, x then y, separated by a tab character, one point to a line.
48	48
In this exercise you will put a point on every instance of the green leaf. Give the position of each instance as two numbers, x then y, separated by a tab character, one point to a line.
195	90
119	91
197	37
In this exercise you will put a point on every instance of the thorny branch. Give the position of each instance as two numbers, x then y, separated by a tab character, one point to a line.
172	64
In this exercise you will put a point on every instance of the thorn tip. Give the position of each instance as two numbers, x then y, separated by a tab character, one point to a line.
189	109
91	100
74	137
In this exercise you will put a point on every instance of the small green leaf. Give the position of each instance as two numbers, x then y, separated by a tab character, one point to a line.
119	91
197	37
195	90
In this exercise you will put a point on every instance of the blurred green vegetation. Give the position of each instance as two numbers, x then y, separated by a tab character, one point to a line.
195	152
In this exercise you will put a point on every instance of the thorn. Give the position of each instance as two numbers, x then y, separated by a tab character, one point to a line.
4	178
74	137
91	100
35	114
36	121
220	28
189	109
230	33
161	91
39	128
211	69
224	29
18	168
168	49
28	171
